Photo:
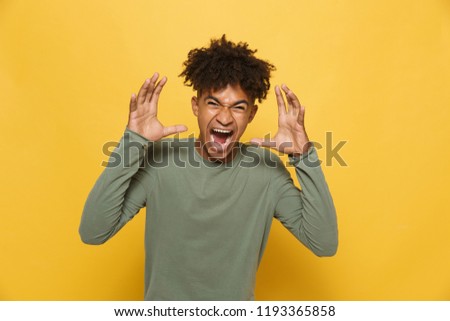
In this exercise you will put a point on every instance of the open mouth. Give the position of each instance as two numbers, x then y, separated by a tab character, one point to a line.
221	136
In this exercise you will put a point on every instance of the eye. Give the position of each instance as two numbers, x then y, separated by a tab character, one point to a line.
239	107
212	103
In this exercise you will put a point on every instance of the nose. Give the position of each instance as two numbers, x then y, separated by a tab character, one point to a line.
224	116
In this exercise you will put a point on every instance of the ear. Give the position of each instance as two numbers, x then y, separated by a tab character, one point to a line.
253	113
194	105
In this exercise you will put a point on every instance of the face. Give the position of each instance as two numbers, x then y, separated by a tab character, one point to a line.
222	117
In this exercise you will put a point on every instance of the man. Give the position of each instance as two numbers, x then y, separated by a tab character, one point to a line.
210	201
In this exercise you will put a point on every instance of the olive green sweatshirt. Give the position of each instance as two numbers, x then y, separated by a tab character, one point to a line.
207	223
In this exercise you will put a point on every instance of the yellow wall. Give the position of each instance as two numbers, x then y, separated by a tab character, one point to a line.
374	73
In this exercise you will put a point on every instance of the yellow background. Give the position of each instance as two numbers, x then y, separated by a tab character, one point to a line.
374	73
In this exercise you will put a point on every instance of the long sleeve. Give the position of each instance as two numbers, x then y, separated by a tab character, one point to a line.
309	214
117	194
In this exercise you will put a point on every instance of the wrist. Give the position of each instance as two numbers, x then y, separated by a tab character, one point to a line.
301	151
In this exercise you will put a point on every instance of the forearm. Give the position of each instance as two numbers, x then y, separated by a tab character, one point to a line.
310	213
116	196
319	215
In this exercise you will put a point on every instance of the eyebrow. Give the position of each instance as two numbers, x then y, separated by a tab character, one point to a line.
243	101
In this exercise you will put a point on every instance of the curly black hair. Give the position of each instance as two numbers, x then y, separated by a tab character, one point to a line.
226	63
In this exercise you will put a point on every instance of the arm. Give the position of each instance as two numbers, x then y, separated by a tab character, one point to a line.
309	214
118	194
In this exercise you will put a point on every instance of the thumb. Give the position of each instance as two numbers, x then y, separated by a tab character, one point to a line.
174	130
262	142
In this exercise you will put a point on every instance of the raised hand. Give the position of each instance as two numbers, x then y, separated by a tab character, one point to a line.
291	137
144	109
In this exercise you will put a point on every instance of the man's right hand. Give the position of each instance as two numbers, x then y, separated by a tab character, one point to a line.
144	109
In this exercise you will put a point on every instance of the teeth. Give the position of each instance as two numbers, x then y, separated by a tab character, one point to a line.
223	131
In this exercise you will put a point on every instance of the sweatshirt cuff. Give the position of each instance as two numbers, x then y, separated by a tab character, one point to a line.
308	159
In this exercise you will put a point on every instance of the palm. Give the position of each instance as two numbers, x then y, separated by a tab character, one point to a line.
289	135
146	124
143	112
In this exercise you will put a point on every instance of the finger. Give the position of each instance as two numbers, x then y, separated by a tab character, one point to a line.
301	115
288	99
143	91
293	102
157	91
133	103
280	101
170	130
151	87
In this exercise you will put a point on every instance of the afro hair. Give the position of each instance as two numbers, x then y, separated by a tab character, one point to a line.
226	63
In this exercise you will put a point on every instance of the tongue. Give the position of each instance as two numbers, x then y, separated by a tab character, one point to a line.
220	138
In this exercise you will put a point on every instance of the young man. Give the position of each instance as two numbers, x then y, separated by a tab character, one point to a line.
210	201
